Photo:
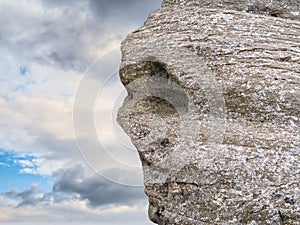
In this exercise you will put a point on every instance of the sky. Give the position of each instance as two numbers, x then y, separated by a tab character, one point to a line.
63	157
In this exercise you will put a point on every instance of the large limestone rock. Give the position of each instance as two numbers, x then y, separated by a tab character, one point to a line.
213	109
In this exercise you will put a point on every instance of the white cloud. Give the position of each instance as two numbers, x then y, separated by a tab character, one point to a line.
77	196
75	212
28	171
25	163
42	166
6	203
36	108
4	164
46	46
26	118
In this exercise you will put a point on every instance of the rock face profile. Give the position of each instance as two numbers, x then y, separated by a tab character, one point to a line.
213	109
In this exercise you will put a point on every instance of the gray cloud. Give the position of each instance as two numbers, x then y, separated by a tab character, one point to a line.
56	148
114	10
43	210
95	189
65	35
118	10
77	183
47	36
27	197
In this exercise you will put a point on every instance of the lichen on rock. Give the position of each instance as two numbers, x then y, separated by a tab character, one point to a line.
213	110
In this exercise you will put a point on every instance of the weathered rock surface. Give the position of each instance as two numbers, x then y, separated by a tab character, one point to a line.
213	109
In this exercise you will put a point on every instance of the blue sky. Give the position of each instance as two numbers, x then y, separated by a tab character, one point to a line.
48	48
13	171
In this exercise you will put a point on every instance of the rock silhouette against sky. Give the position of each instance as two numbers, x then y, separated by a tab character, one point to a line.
213	109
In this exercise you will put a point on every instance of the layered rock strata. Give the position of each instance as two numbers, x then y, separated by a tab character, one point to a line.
213	109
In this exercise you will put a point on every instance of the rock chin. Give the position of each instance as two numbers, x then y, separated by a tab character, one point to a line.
213	109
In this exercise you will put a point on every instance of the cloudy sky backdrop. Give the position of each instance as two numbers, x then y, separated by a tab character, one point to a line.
47	48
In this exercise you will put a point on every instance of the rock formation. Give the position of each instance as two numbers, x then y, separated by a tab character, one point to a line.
213	108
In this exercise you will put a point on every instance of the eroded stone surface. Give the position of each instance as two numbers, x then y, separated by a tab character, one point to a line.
276	8
213	109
